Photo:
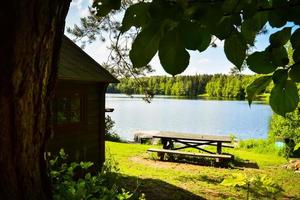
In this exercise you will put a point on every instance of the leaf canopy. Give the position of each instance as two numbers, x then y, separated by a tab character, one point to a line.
175	26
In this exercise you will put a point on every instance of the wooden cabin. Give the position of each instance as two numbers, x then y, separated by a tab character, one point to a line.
79	105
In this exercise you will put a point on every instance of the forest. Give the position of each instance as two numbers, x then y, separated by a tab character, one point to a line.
218	85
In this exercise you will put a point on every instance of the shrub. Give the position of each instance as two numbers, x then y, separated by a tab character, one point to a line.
260	146
76	181
256	186
110	135
287	129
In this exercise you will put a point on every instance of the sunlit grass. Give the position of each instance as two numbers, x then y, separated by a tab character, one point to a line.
182	180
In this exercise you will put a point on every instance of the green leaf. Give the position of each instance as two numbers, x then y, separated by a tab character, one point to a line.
294	72
230	5
103	7
295	39
161	10
235	49
224	28
194	37
257	22
257	86
293	14
249	10
172	54
136	15
280	76
258	62
145	45
278	56
281	37
296	55
284	98
297	146
277	16
86	165
236	19
276	20
248	34
212	16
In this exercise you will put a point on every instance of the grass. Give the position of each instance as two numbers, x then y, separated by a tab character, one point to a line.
170	180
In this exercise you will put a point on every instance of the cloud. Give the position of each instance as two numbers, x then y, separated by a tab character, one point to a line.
82	7
203	61
77	4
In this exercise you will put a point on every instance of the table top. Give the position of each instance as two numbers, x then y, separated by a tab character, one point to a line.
193	137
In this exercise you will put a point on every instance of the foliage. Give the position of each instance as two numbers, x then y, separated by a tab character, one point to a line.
218	85
193	25
228	86
76	180
256	186
286	128
110	134
260	146
162	85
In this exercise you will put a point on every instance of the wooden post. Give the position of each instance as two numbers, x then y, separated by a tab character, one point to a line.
164	143
219	150
101	140
219	147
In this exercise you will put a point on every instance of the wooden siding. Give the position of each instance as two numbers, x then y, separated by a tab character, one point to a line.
84	142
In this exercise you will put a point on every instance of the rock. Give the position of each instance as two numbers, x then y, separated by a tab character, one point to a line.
297	165
293	165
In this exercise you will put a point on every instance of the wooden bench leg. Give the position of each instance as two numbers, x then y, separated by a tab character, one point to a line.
219	151
161	155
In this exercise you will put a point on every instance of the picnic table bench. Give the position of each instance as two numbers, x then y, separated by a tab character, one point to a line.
193	141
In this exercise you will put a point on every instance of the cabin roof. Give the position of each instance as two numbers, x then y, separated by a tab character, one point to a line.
75	64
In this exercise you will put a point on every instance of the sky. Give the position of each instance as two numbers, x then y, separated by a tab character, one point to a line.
211	61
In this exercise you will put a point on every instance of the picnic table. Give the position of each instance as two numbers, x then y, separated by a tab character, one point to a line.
168	139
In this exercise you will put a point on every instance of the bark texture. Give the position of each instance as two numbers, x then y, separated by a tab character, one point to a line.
30	38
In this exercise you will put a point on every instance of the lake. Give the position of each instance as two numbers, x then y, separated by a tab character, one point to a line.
197	116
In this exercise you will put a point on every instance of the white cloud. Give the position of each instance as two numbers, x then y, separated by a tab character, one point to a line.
203	61
98	50
82	6
77	4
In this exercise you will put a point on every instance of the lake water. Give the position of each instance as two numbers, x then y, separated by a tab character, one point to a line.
197	116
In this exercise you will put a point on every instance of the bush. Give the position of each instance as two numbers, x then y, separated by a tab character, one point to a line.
110	135
287	129
76	181
260	146
256	186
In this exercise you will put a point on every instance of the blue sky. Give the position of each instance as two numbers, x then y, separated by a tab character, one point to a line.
212	61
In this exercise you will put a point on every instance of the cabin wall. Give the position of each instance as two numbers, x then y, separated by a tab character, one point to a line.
83	141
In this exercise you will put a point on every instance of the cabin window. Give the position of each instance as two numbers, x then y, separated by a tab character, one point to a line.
69	109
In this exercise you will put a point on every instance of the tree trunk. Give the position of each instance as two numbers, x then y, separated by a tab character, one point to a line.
30	39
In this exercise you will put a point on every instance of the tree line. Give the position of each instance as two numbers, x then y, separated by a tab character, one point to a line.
218	85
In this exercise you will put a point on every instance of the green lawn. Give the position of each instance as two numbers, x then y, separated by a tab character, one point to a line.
171	180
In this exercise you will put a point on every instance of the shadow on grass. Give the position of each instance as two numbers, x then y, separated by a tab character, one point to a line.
241	163
155	189
236	163
203	178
